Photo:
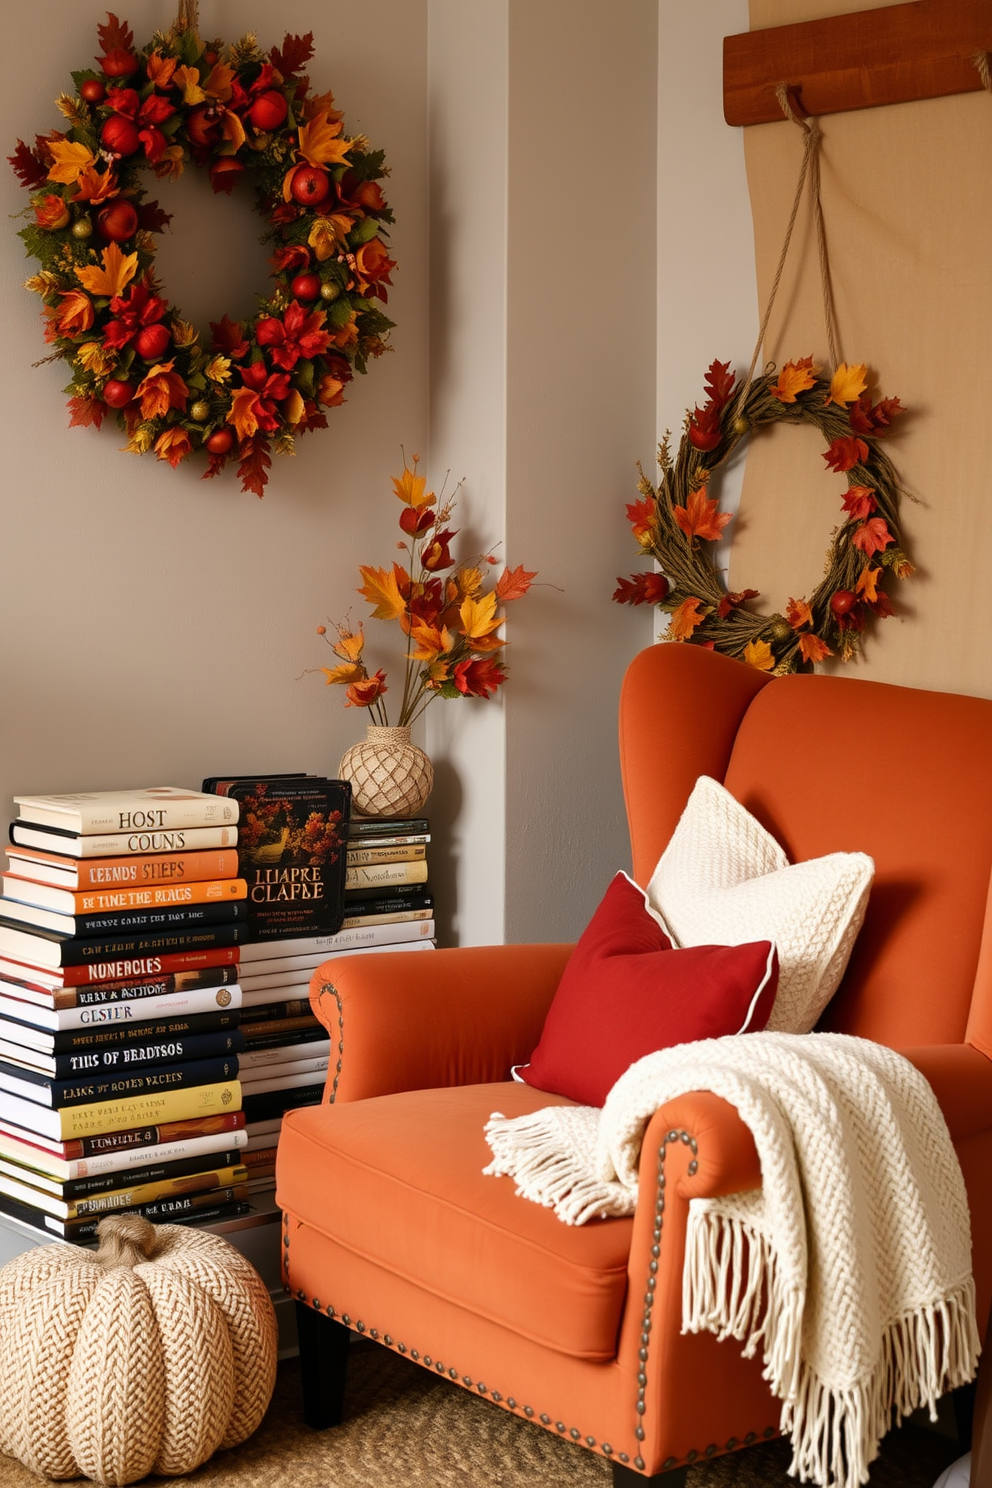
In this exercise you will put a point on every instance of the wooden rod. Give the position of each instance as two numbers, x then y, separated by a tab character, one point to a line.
896	54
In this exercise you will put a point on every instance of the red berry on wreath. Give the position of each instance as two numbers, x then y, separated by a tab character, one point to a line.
117	222
268	110
120	136
305	286
92	91
842	601
309	185
117	393
203	124
220	441
152	341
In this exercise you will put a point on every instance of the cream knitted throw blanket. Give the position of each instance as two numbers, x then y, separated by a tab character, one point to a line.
849	1269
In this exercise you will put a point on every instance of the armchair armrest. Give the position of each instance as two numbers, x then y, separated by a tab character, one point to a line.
413	1021
961	1079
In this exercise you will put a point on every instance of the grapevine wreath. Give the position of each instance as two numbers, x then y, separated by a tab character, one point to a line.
237	112
678	523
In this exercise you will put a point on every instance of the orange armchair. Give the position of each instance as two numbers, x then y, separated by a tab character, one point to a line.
390	1227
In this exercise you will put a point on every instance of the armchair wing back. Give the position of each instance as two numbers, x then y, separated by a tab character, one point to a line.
390	1227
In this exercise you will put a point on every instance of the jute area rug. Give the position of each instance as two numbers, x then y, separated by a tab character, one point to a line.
405	1428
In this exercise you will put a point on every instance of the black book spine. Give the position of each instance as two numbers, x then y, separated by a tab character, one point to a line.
379	827
169	1049
77	950
136	1137
124	1035
272	1103
384	901
226	1205
265	1012
178	917
89	1090
283	1040
78	1188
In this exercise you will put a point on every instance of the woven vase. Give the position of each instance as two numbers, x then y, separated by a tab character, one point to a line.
389	775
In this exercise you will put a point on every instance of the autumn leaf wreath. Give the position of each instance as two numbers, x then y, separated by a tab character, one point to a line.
237	112
677	522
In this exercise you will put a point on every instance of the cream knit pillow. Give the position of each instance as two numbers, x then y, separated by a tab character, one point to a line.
723	880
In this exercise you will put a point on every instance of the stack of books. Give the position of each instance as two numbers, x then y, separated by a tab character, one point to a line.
297	903
121	920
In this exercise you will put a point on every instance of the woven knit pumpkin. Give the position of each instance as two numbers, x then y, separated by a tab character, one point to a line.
143	1356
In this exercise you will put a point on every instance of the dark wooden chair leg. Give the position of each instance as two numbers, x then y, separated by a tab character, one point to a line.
323	1366
964	1413
626	1477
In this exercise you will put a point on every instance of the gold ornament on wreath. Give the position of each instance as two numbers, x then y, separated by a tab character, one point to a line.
678	522
240	113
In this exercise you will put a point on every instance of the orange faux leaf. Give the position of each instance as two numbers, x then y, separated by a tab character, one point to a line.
410	488
320	142
640	515
188	79
70	161
701	516
117	272
219	83
512	583
868	583
350	644
798	613
428	642
344	675
759	655
160	70
382	590
795	377
813	649
242	413
847	383
872	536
685	619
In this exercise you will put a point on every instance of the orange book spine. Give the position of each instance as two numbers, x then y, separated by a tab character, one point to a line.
161	896
143	870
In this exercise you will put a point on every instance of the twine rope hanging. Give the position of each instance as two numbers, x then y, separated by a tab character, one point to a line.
810	168
188	18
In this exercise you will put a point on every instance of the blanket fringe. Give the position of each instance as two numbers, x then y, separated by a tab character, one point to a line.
523	1147
731	1287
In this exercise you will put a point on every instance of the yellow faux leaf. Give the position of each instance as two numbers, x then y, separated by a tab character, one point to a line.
344	674
218	369
328	233
847	383
218	84
479	617
117	272
320	142
795	377
188	79
70	161
759	655
383	592
350	644
294	407
410	488
233	131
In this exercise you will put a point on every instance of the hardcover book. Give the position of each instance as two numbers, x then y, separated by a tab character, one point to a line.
114	1014
292	843
99	1087
114	901
46	948
137	968
134	871
123	1163
150	809
41	1043
119	921
117	844
62	1122
229	1124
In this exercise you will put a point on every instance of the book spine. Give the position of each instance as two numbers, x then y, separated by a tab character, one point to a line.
117	1115
280	1029
276	1102
275	1010
373	876
137	991
180	918
127	1035
116	901
164	1188
99	1089
121	844
408	839
151	1172
161	1134
361	856
159	1051
371	826
269	1046
388	901
160	869
47	949
123	968
216	1203
402	917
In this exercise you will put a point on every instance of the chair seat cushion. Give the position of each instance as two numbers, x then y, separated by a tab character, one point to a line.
398	1180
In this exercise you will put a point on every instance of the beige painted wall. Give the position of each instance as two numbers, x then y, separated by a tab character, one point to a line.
908	225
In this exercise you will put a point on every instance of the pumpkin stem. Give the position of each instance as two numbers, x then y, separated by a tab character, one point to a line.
125	1240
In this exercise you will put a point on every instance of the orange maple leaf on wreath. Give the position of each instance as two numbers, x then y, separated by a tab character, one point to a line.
873	537
685	618
116	272
759	655
701	516
813	649
798	613
795	377
847	383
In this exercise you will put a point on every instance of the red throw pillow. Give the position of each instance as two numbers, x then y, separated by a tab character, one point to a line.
626	992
